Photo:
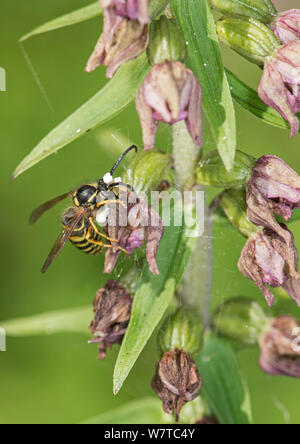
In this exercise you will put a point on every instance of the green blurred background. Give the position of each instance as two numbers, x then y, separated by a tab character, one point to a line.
57	379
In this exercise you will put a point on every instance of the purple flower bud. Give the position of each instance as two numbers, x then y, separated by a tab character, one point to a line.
280	352
287	25
169	94
143	224
132	9
279	84
277	185
122	40
268	259
112	308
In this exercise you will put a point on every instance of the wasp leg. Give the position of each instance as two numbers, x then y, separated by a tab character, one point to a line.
106	202
93	225
95	242
101	244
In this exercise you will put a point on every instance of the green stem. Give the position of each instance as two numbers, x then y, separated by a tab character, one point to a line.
197	279
198	276
73	320
185	155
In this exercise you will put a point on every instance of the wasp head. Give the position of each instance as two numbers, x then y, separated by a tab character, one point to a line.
86	196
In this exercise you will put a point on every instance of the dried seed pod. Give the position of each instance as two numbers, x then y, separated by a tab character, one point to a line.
112	308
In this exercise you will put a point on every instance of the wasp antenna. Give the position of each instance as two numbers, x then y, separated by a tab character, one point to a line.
123	185
133	147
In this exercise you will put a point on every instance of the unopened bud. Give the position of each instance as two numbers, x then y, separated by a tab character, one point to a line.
166	42
183	331
146	171
212	172
194	411
233	203
262	10
241	320
249	37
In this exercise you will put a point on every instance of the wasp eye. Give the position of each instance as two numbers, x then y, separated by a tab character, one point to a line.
86	195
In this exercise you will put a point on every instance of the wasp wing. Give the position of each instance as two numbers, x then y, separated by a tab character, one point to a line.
38	212
63	238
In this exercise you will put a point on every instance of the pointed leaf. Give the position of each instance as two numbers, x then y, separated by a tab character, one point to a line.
72	18
106	104
204	58
223	387
248	99
75	320
113	142
153	297
83	14
141	411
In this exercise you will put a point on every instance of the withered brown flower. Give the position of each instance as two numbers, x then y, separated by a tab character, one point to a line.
169	94
177	380
280	348
274	188
132	9
112	308
286	26
268	259
122	40
142	224
279	86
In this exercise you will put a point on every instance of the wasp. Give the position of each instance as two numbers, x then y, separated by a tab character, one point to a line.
78	221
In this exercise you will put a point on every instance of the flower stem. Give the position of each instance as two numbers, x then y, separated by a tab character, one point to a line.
185	155
197	280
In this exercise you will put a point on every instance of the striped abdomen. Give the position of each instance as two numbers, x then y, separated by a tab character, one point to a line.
82	241
81	236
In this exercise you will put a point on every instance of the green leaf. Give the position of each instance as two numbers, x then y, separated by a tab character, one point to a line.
204	58
113	143
75	320
142	411
249	100
72	18
224	387
106	104
83	14
153	297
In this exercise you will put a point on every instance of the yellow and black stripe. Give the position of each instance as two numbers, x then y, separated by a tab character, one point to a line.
83	236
